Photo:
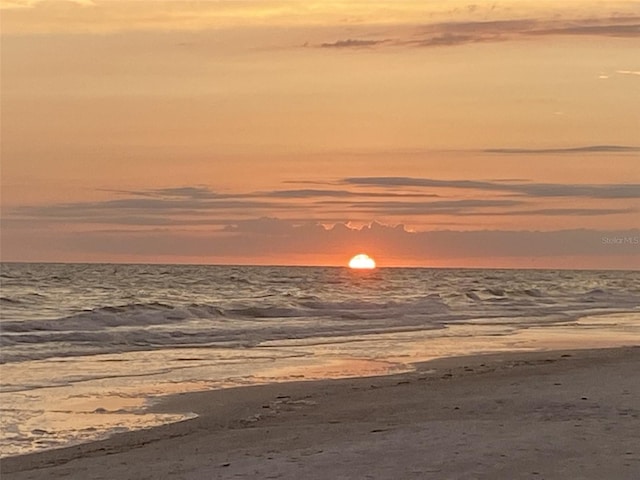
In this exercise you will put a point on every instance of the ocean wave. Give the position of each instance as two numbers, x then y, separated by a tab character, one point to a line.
158	325
10	301
104	309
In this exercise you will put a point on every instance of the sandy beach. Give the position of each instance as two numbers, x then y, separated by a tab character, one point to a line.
551	415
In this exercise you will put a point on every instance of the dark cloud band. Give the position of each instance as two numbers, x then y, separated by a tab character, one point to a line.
458	33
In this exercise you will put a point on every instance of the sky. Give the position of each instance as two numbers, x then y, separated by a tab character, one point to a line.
453	133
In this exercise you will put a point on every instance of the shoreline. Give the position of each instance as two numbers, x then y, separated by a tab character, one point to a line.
96	410
256	427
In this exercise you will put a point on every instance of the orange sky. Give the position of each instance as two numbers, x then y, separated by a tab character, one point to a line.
243	131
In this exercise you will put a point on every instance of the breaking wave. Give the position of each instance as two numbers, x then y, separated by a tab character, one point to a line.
73	311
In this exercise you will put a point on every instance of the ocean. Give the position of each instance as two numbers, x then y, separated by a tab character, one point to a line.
86	348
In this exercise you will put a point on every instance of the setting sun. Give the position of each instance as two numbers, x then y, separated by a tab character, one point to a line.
362	261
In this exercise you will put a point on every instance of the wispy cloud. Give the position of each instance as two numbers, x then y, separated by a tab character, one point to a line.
546	212
472	208
362	199
583	149
201	205
441	207
613	30
195	192
603	191
12	4
628	72
451	39
187	202
459	33
200	193
352	43
95	211
323	193
498	18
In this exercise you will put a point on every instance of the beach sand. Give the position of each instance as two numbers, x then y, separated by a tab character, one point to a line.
539	415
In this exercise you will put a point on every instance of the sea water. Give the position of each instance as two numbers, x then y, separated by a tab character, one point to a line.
87	347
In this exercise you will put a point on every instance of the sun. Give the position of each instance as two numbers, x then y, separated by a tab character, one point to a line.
362	261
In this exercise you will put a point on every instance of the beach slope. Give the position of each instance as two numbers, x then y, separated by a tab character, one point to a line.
551	415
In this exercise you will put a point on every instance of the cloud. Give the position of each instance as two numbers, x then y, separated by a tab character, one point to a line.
200	193
199	206
7	4
322	193
352	43
468	208
628	72
615	30
186	192
307	193
451	39
609	191
390	15
370	198
198	223
545	212
459	33
491	27
590	191
125	209
272	238
584	149
13	4
442	207
261	226
414	182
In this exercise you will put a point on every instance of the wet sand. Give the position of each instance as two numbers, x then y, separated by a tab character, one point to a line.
551	415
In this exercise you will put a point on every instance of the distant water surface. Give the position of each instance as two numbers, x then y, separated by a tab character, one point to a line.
86	347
